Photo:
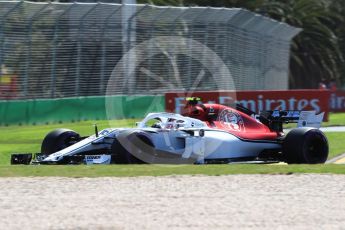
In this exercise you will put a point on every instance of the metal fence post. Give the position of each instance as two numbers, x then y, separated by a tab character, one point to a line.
80	27
2	33
131	81
189	46
152	23
228	46
206	39
225	47
128	46
56	29
103	59
29	48
174	23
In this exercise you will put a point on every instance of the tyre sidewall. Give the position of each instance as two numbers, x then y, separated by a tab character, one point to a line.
57	140
299	142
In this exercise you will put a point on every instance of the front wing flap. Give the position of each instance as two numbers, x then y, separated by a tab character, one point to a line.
37	158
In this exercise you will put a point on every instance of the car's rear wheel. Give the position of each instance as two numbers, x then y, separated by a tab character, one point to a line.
58	139
305	146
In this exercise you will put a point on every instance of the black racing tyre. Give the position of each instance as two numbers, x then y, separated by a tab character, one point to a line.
135	142
305	146
58	139
119	153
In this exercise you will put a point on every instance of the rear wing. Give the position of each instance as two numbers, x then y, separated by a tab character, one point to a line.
310	119
275	119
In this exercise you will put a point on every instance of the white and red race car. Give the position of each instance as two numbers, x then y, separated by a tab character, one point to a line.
204	134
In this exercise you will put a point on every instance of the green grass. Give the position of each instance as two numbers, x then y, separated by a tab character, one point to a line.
335	119
163	170
336	143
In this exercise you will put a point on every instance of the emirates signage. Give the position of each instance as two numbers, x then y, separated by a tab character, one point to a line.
317	100
337	101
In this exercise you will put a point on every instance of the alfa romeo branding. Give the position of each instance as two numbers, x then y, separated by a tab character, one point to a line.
231	120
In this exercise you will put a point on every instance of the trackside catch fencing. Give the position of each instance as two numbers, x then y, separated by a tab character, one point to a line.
58	50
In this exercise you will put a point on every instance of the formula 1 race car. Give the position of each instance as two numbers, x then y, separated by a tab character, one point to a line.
203	134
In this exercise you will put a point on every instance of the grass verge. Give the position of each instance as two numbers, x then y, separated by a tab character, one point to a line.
335	119
162	170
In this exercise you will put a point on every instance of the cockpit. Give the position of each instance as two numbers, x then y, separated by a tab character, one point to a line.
169	121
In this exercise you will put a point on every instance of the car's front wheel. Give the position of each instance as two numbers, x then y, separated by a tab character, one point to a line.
58	139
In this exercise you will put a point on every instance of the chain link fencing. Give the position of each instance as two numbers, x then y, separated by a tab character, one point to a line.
54	50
